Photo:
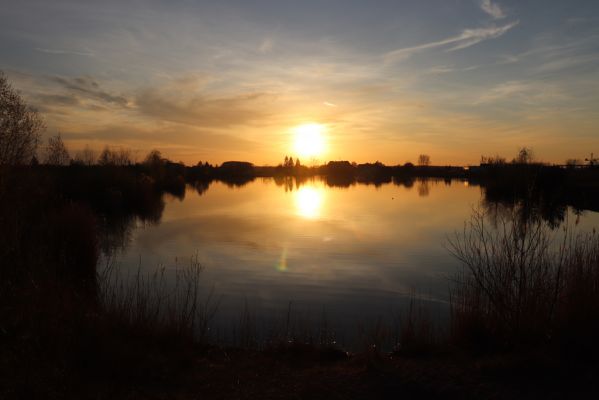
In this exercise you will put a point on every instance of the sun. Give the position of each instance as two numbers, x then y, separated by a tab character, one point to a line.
309	140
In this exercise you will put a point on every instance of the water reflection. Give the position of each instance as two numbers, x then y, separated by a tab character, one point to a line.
201	186
424	188
308	195
308	202
357	250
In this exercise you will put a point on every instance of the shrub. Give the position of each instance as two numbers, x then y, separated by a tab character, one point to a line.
520	287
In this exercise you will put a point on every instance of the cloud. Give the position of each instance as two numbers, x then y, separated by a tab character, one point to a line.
200	110
328	104
468	37
532	93
65	52
492	9
90	88
144	137
506	89
45	101
266	46
569	62
59	95
443	69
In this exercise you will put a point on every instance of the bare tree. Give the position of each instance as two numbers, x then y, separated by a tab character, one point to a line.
153	158
525	156
87	156
155	164
57	153
20	127
120	157
424	160
492	160
106	157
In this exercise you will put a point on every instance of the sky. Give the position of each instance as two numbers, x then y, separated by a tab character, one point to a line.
387	79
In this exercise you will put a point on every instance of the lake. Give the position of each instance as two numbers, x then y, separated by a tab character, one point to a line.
350	255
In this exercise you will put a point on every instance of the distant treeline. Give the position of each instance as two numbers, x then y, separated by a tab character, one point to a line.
548	187
101	190
342	173
172	176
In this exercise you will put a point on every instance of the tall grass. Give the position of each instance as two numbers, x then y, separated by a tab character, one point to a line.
523	284
286	328
417	333
157	301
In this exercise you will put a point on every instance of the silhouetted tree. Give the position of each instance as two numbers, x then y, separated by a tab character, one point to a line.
288	162
20	126
155	164
153	158
424	160
525	156
120	157
86	156
105	157
497	160
297	163
57	153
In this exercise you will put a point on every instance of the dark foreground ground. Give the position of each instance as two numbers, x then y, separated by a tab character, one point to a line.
302	372
253	376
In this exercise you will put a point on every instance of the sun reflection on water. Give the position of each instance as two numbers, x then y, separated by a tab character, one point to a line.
308	202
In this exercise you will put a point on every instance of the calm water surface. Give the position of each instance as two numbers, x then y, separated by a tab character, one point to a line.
356	253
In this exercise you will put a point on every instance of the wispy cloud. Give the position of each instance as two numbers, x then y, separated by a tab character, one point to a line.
203	111
532	93
505	90
163	136
90	88
467	38
570	62
65	52
266	46
492	9
444	69
552	57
